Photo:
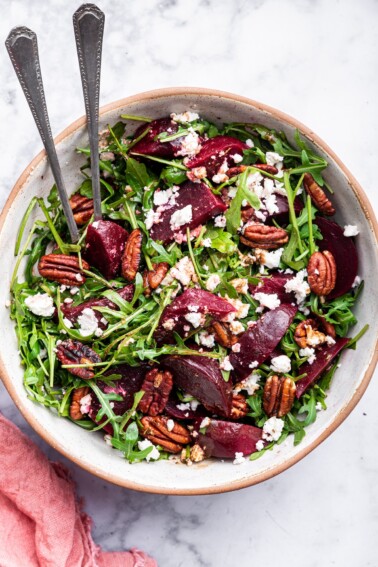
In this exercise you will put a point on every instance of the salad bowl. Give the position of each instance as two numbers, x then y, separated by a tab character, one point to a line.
210	476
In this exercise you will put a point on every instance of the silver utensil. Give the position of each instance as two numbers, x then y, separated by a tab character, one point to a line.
22	47
88	23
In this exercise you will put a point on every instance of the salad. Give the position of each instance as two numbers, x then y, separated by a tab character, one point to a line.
204	315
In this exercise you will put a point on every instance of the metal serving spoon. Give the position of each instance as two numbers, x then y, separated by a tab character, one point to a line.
22	47
88	23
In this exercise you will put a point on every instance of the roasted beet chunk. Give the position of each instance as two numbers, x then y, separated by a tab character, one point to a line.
201	377
223	439
173	317
215	151
148	145
72	313
199	205
259	341
274	284
324	357
131	381
282	215
104	245
344	252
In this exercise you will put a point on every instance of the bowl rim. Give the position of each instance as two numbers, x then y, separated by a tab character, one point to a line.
339	417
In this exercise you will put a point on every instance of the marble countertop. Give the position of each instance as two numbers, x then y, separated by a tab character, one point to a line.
314	60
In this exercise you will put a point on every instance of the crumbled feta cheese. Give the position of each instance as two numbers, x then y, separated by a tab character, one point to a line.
99	332
269	300
7	304
43	353
260	445
85	404
330	340
79	277
170	424
206	339
249	143
196	319
249	384
193	308
281	364
196	174
212	282
154	454
183	406
226	364
184	271
68	301
40	304
181	217
254	363
239	459
194	404
152	217
67	322
62	288
351	230
269	259
232	192
185	117
272	428
236	347
318	406
357	281
240	285
190	145
74	290
169	324
205	422
237	158
220	221
273	158
206	242
241	309
309	352
236	327
298	286
87	322
221	175
270	204
162	197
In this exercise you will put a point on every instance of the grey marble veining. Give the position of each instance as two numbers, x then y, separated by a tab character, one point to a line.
315	60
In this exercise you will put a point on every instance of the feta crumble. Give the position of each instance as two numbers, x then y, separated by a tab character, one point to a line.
85	404
269	259
249	384
237	158
190	145
351	230
183	271
268	300
88	322
298	286
249	143
273	158
205	422
309	353
206	339
152	217
196	319
181	217
236	327
281	364
170	424
240	285
260	445
220	221
357	281
226	364
212	282
272	428
239	459
154	454
206	242
40	304
185	117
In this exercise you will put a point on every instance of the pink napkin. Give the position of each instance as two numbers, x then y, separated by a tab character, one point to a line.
41	522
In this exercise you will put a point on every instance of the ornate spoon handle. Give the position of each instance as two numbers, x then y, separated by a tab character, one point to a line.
88	23
22	47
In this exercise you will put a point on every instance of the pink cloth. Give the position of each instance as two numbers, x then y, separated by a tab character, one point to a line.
41	522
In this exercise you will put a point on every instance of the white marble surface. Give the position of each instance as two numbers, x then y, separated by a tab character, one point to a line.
315	60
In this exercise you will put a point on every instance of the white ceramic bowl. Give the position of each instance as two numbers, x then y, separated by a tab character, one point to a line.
89	450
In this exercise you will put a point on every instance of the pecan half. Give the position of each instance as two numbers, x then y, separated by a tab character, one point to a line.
318	196
223	334
153	278
307	334
74	352
278	395
156	430
132	254
322	272
82	208
157	386
259	235
239	407
75	408
63	269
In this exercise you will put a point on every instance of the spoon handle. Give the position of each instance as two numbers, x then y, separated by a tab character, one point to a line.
88	21
22	47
